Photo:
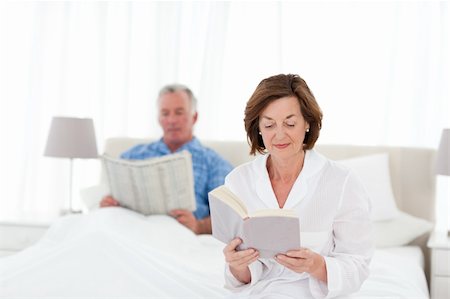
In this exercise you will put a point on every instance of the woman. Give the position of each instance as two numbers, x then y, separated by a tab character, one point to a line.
282	121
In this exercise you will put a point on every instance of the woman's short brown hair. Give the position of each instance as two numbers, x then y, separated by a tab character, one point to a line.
274	88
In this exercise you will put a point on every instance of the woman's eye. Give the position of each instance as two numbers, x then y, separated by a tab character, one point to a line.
290	124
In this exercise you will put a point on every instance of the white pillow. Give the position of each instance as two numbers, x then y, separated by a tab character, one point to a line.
399	231
373	171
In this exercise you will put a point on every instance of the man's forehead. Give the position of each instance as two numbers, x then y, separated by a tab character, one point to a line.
178	95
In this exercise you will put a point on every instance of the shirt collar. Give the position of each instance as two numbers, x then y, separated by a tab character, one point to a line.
191	145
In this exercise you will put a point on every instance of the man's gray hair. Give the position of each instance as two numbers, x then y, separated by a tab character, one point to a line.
179	87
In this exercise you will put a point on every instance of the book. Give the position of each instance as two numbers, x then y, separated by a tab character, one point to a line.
152	186
270	231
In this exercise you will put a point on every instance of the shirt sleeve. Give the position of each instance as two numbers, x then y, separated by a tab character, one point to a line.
348	263
128	155
210	172
218	170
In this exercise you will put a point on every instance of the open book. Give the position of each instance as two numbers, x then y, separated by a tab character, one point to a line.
270	231
152	186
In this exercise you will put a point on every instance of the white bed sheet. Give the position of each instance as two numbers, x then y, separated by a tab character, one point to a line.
116	253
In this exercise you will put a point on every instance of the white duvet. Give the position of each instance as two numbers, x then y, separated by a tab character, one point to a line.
116	253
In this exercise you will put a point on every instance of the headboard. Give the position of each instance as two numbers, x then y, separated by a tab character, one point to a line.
412	172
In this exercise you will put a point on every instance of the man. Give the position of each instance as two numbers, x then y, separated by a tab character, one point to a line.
177	116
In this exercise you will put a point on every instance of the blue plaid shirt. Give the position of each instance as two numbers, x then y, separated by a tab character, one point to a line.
210	169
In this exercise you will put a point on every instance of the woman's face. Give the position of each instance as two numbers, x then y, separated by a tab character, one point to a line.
283	127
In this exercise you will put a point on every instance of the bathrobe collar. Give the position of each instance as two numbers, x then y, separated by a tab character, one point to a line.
314	162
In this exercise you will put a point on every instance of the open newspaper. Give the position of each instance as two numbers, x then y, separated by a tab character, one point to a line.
152	186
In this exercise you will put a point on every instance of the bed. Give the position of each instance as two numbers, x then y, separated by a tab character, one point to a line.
117	253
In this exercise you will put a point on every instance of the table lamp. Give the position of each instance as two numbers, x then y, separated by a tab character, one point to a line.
71	138
443	154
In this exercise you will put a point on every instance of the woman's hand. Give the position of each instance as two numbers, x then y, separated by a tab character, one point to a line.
304	260
239	261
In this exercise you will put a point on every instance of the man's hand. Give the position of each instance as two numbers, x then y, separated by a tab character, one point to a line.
188	219
109	201
239	261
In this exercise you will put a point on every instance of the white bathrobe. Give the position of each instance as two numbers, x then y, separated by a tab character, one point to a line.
333	208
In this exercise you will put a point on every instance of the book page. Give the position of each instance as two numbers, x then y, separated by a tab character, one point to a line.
152	186
274	212
224	194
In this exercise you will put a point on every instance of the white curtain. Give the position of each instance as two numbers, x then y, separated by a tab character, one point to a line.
380	72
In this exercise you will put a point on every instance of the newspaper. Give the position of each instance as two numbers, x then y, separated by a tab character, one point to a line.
152	186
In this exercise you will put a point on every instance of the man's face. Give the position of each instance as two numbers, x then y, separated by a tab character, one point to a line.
176	118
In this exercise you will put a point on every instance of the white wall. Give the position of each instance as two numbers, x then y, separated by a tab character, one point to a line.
379	70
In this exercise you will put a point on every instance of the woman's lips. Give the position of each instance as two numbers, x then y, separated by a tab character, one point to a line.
281	146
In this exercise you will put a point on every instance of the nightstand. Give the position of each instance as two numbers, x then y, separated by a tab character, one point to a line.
439	243
15	236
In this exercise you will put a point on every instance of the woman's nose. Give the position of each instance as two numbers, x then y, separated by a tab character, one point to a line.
279	133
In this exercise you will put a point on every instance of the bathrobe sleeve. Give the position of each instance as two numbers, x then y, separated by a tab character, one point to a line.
348	263
256	270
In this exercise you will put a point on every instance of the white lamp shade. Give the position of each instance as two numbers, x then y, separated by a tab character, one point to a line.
71	137
443	155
